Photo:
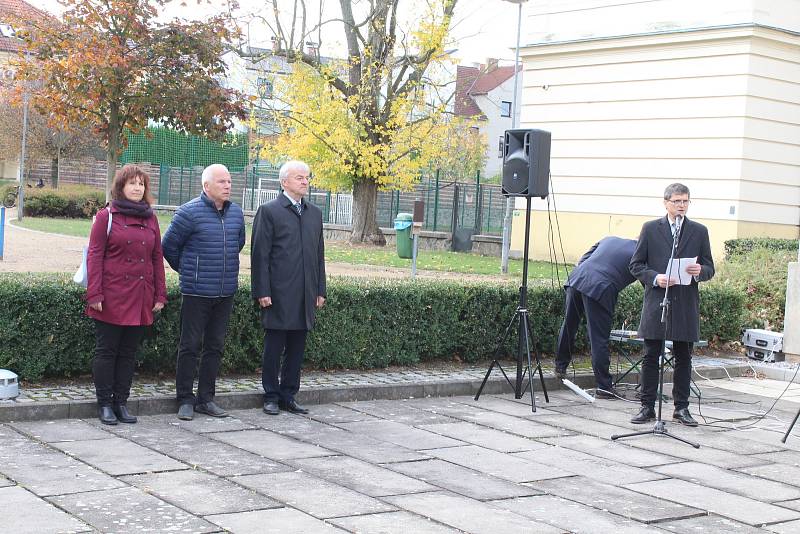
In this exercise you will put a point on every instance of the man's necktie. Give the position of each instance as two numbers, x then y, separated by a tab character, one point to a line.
298	208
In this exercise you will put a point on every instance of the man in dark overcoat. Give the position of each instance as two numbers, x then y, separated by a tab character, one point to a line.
591	291
288	282
649	264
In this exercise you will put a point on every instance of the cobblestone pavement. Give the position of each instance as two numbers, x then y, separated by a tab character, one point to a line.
422	465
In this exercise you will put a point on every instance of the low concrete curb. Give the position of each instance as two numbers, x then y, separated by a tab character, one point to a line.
161	404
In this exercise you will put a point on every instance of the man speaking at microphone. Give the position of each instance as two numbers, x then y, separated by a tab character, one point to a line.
649	264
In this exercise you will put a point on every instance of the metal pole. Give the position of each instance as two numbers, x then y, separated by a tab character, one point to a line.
21	197
514	107
2	230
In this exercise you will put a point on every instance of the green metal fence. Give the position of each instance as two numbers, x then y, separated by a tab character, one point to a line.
479	206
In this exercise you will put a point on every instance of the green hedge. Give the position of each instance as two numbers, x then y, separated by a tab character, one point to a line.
365	324
738	247
68	201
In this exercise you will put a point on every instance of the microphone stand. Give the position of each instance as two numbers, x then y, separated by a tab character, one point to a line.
660	428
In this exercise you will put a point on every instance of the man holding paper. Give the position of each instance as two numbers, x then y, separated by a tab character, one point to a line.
651	265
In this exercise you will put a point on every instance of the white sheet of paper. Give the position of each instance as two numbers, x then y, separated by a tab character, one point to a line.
678	272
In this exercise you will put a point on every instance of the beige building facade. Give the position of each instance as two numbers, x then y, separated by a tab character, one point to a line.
713	103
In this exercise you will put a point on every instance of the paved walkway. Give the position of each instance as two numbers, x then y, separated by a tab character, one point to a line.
421	465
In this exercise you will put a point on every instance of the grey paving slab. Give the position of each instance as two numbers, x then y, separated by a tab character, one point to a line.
468	515
200	493
790	527
773	437
392	523
572	516
334	413
576	424
791	505
118	456
401	411
715	501
731	481
488	438
787	474
271	445
506	404
497	464
45	471
617	451
313	495
196	450
513	425
21	512
673	447
580	463
712	524
736	442
619	501
457	479
360	446
360	476
276	521
129	510
400	434
785	457
203	424
60	430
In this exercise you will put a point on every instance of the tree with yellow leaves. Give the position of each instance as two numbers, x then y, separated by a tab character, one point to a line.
364	122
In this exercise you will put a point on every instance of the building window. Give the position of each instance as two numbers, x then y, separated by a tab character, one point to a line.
264	88
505	109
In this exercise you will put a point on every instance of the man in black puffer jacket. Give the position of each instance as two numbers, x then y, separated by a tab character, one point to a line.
202	244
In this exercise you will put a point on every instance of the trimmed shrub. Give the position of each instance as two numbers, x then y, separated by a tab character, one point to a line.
738	247
759	275
365	324
68	201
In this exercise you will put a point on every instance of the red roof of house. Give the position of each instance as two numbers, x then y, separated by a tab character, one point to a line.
472	81
18	9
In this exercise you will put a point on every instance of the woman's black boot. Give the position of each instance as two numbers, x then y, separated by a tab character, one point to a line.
122	413
106	415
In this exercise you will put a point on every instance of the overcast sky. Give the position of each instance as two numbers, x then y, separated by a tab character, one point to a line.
481	28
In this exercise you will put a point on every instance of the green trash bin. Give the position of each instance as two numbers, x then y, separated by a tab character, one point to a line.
402	228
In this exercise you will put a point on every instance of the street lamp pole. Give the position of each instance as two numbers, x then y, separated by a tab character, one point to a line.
514	123
21	195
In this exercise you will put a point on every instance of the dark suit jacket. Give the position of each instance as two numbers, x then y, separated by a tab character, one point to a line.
603	271
651	258
288	263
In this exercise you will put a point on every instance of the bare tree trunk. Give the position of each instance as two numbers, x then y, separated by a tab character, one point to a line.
365	201
113	148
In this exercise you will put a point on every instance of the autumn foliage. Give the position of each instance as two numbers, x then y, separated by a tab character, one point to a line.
112	66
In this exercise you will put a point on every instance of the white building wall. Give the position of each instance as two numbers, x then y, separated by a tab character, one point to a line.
717	109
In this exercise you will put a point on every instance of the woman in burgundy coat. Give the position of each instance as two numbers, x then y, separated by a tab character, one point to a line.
126	287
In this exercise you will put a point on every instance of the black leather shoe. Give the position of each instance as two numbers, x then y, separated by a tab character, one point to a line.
186	412
210	408
645	415
123	415
292	407
684	417
106	415
608	394
561	374
271	408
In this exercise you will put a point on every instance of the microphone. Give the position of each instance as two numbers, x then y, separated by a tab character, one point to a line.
678	224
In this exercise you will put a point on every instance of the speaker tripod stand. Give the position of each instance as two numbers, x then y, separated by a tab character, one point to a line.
525	337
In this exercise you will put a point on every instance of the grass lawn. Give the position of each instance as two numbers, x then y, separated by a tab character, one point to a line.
431	260
74	227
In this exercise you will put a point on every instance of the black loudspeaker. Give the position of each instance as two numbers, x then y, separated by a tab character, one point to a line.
526	163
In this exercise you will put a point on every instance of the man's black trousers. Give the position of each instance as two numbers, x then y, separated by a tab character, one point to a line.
204	322
282	357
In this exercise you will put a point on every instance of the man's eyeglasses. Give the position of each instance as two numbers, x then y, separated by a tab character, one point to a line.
680	202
